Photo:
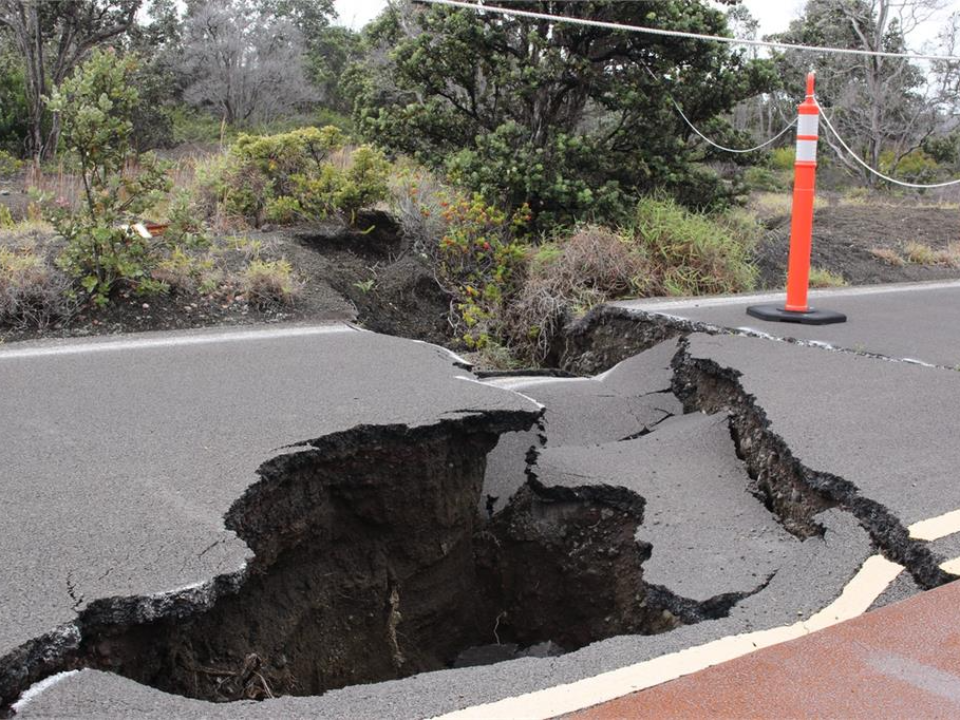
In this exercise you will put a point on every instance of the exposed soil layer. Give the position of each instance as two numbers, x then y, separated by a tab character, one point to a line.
372	566
565	567
843	236
391	291
606	336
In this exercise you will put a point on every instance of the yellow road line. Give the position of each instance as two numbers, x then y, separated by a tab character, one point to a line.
858	595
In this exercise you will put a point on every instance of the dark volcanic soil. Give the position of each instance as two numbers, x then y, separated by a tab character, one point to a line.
844	235
360	275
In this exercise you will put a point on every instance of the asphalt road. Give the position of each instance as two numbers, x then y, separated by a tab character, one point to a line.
916	321
121	457
708	543
627	400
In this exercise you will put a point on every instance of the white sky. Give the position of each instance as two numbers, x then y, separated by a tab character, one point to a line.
774	15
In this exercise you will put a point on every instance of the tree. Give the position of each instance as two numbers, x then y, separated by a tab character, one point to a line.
96	105
310	17
568	119
243	65
879	104
14	123
330	54
53	38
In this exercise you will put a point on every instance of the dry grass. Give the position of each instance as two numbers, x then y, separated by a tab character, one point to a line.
771	205
269	282
888	255
823	278
184	272
32	291
917	253
571	276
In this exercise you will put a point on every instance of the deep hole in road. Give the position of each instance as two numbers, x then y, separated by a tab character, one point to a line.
372	563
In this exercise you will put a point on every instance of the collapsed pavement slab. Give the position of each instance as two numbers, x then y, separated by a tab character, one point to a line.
710	541
626	401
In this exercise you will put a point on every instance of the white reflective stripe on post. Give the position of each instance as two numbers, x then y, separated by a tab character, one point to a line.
808	125
806	150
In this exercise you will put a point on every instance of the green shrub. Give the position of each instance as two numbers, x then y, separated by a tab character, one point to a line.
185	222
693	253
334	190
915	166
783	158
95	106
765	180
282	178
478	261
9	165
282	210
6	218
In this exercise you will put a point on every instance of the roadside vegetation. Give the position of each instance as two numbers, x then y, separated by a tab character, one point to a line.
525	200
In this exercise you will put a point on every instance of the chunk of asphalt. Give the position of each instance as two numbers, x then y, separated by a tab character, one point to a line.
121	461
812	578
875	437
644	373
626	401
709	536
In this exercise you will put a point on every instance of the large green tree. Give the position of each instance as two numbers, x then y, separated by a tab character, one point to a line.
567	118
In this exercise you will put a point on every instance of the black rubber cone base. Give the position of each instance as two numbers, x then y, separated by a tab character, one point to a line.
775	313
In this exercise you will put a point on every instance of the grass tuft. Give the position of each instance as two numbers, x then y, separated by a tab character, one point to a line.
267	282
823	278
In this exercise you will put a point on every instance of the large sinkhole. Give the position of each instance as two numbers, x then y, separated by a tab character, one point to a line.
373	563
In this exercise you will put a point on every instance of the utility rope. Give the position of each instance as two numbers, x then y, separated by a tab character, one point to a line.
689	35
879	174
726	149
693	127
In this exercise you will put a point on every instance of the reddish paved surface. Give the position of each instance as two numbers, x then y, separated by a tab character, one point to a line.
900	661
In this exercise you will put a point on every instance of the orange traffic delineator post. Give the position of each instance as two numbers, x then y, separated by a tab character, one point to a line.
796	308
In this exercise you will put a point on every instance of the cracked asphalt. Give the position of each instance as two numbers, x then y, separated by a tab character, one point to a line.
705	544
107	498
906	321
120	460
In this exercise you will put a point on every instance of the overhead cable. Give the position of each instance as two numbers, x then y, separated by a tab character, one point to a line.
689	35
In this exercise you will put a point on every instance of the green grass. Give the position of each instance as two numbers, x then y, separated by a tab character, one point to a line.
695	253
823	278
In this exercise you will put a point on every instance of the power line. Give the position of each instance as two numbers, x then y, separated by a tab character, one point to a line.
688	35
879	174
